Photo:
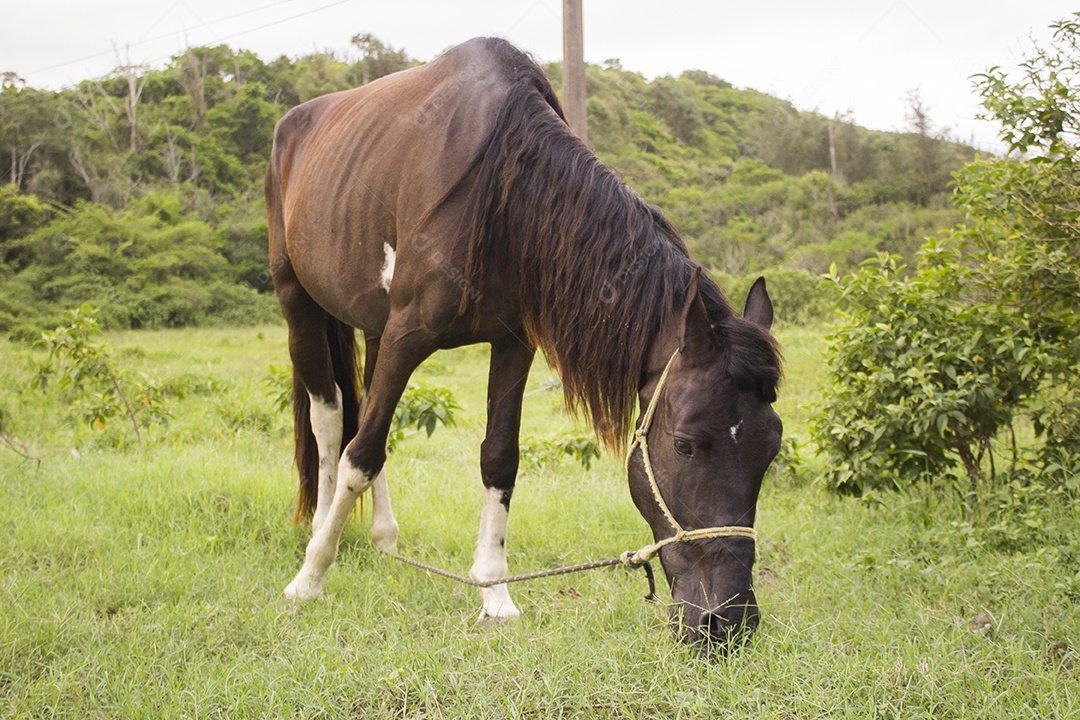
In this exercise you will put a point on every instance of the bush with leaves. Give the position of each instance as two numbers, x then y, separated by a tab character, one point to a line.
544	452
422	408
920	381
928	371
85	373
1024	225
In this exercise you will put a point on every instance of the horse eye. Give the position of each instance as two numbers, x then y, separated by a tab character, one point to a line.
683	447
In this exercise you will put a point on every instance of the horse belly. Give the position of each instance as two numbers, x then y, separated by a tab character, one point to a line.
349	274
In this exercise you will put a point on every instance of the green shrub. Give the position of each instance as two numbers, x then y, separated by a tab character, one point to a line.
422	408
96	389
920	382
545	452
799	296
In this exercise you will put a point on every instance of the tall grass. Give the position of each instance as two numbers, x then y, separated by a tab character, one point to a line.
149	584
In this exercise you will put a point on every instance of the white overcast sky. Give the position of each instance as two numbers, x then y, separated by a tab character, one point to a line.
857	55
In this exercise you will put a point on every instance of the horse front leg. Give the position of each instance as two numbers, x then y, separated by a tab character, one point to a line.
362	462
509	370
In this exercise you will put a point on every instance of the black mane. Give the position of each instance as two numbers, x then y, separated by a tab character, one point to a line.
601	271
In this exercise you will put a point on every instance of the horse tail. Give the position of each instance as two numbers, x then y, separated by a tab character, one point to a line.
344	355
306	452
342	347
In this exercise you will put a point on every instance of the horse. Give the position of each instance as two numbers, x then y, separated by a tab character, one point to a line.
450	204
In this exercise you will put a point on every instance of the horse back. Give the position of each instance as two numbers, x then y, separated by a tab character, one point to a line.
356	171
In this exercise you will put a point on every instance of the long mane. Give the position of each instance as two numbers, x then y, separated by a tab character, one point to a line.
600	271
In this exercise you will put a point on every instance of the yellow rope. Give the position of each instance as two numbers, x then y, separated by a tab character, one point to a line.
630	558
642	556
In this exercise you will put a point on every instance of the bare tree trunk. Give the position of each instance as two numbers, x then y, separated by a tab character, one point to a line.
97	185
101	117
130	104
18	166
130	73
172	157
573	69
194	81
193	169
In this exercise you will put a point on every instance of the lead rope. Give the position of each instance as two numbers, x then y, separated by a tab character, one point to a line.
631	559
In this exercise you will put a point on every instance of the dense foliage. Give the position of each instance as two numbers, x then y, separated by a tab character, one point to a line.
753	183
140	192
976	354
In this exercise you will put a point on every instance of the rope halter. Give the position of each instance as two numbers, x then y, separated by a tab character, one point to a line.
644	555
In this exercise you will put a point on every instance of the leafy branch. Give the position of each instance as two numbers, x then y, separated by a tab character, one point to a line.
542	452
84	369
13	443
423	407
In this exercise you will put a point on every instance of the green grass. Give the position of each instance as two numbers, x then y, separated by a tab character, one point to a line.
139	585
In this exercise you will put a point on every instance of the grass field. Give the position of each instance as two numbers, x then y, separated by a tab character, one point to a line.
148	584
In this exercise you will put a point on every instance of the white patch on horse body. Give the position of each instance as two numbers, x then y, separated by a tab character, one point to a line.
490	560
734	430
384	528
326	423
388	266
322	549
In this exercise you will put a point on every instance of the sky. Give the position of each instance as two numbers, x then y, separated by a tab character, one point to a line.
857	56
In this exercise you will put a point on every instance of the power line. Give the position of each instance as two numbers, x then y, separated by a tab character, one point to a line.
206	25
269	24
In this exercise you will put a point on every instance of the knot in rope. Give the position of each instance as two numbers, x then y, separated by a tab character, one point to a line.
631	558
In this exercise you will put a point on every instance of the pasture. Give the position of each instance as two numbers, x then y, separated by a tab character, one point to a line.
148	583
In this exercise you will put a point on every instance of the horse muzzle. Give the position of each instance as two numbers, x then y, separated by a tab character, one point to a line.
715	632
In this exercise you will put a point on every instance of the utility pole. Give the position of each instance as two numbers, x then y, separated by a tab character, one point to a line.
573	69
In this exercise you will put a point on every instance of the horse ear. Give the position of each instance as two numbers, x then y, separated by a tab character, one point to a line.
695	332
759	308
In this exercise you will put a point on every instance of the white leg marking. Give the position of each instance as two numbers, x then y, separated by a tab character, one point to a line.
388	266
322	550
384	528
326	421
490	561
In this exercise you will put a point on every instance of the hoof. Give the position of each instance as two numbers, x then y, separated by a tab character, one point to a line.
499	608
385	537
501	616
299	591
487	620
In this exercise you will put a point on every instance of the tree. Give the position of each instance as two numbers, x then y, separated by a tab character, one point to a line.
931	372
1025	228
377	58
25	118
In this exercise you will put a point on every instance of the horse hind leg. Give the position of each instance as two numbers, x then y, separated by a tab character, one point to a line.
325	389
510	362
384	527
363	459
326	425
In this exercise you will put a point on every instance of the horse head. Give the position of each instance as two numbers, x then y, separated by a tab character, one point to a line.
698	459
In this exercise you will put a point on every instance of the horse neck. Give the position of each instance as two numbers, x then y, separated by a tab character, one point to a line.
661	350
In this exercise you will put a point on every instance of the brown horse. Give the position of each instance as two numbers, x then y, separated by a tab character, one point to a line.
450	204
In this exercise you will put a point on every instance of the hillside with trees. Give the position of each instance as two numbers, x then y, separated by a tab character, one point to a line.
141	192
